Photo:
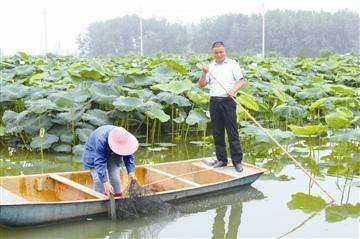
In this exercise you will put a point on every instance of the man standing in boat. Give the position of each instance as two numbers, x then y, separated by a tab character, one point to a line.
105	149
223	73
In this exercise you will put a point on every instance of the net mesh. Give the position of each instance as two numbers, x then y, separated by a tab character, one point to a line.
138	201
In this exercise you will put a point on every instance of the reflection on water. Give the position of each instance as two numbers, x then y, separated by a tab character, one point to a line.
222	202
150	227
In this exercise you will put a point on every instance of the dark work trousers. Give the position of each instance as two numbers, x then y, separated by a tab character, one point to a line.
223	116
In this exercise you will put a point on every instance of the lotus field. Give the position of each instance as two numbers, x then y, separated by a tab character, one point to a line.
54	103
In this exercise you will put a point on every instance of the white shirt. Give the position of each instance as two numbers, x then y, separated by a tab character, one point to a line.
228	73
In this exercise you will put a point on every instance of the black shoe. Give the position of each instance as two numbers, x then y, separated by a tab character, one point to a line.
219	164
238	167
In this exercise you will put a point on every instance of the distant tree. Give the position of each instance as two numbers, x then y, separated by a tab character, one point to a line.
288	33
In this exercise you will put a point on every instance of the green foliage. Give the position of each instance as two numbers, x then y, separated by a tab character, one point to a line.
338	213
306	203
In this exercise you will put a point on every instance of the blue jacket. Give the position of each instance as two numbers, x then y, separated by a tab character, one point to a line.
97	152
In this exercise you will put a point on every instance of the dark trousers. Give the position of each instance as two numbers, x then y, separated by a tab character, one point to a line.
223	116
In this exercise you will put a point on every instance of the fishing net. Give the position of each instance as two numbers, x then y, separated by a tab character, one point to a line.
138	201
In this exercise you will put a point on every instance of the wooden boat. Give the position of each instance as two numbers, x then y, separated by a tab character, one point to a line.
48	198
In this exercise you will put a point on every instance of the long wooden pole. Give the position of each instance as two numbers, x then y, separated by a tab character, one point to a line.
274	140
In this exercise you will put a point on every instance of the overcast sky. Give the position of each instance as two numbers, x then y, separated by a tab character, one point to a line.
23	22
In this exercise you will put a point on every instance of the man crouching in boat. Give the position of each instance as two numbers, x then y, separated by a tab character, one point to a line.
104	150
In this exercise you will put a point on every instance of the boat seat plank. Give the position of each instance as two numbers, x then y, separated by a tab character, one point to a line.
77	186
173	176
7	196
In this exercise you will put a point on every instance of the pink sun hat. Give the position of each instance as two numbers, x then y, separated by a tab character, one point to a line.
122	142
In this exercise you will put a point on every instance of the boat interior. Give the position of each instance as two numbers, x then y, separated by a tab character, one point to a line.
73	186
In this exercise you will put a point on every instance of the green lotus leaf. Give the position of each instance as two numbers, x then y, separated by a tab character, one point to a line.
261	136
346	112
176	66
290	112
44	142
8	119
311	93
141	80
40	106
346	135
248	101
68	117
197	116
308	129
63	148
103	94
198	98
158	114
347	102
90	70
144	94
337	213
25	57
32	123
171	99
342	90
176	87
181	117
13	92
127	103
306	203
317	104
24	70
63	132
62	101
78	149
96	117
162	73
280	95
83	133
337	120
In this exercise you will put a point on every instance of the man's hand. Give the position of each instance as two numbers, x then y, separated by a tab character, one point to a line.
205	69
108	188
231	93
132	176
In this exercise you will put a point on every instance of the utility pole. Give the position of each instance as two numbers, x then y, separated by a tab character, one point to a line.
45	31
141	35
263	30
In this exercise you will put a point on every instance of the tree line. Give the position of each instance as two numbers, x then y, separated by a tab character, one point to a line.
287	33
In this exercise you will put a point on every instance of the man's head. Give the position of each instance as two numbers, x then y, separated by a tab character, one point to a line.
218	51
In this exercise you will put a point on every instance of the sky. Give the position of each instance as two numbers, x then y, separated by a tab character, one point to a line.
36	26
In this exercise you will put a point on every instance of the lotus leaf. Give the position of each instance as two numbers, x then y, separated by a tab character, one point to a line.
103	93
248	101
336	213
176	87
308	129
337	120
40	106
13	92
96	117
197	116
158	114
127	103
311	93
78	149
44	142
63	148
171	99
306	203
83	133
